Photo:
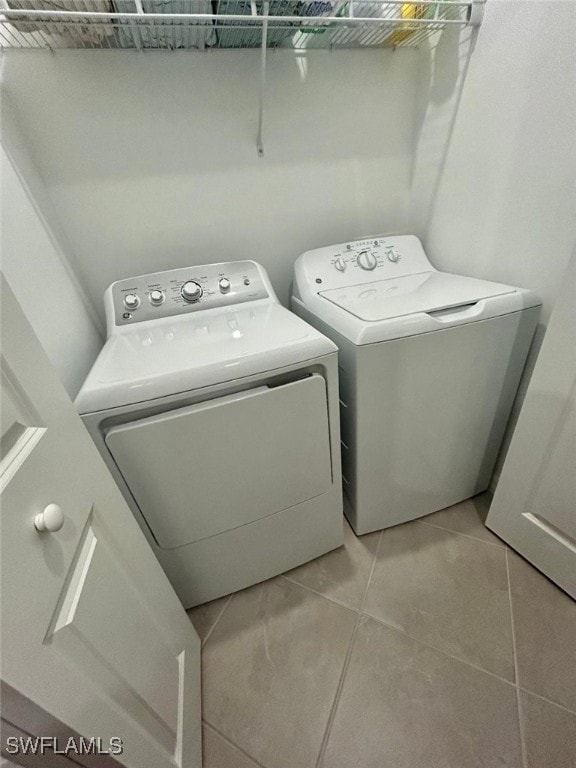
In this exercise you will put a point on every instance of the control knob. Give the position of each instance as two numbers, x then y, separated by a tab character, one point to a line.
393	256
131	301
156	297
224	284
51	520
366	260
340	264
191	291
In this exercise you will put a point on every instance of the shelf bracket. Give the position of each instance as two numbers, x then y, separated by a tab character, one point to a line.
259	144
135	30
476	12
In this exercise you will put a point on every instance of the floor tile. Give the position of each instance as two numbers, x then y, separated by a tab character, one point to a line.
447	590
342	574
467	517
219	753
203	617
545	633
549	733
271	669
404	705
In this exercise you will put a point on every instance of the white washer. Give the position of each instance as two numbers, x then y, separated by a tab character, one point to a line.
429	365
216	410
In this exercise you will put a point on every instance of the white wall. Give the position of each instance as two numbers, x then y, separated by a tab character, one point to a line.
34	264
496	197
150	160
494	179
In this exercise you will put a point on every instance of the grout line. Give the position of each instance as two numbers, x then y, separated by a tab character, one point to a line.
548	701
334	707
344	672
459	533
439	650
512	627
376	553
226	604
417	640
521	728
232	744
320	594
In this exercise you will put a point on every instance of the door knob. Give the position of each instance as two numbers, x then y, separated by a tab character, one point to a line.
51	520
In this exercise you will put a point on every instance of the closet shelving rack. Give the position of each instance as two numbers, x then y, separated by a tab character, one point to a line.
208	24
298	25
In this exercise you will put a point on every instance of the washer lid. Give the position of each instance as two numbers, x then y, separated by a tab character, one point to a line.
184	353
422	293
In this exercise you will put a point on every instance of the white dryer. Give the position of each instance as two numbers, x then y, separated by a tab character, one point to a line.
216	410
429	365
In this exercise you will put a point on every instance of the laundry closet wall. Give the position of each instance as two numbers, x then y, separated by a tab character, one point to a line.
35	263
150	159
494	182
494	186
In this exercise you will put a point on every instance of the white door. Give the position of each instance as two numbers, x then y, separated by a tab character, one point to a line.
534	507
92	631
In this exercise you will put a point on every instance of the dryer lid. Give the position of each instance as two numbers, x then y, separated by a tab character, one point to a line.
426	292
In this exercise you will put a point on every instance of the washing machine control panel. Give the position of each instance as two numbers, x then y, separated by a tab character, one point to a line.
363	261
365	254
181	291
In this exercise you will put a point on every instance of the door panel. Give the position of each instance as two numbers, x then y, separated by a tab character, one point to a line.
92	631
20	425
170	460
146	676
534	506
555	494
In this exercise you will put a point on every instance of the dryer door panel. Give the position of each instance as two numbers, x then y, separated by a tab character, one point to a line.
204	469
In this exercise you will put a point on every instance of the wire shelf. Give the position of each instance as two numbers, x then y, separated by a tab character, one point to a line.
218	24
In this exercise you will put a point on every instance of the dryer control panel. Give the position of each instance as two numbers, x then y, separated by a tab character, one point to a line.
182	291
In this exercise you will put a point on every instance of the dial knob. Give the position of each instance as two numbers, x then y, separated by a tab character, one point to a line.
131	301
224	284
340	264
366	260
191	291
393	256
156	298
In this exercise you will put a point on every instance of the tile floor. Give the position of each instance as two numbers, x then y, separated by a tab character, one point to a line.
431	645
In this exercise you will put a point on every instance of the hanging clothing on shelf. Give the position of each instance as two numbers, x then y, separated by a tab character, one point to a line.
172	34
388	13
84	33
407	29
237	34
